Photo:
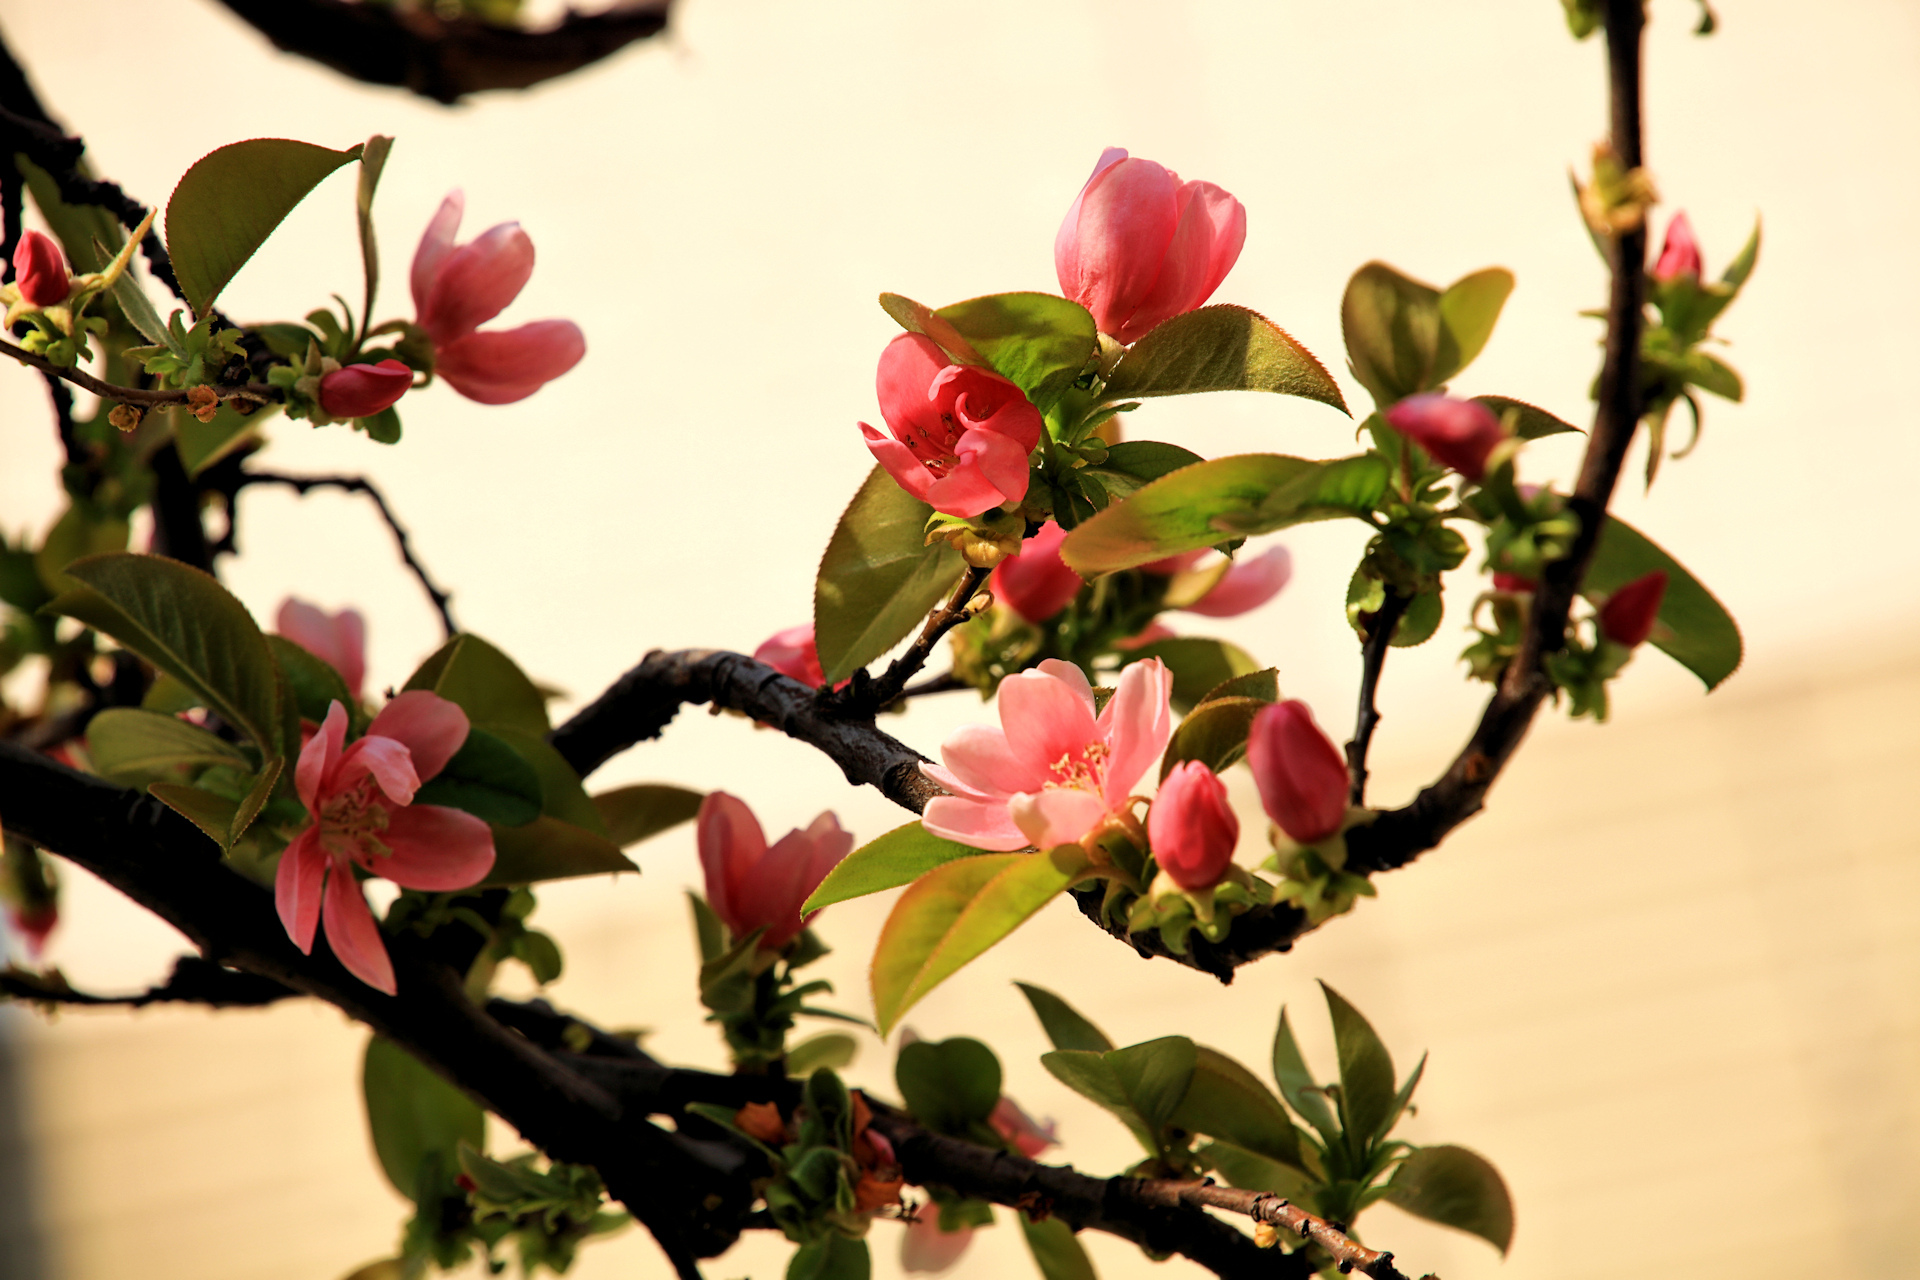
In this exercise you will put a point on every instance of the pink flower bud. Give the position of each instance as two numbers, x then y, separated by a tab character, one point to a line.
1301	775
1457	433
1514	583
337	639
793	653
1036	584
1628	615
362	390
1680	255
753	886
1192	827
1028	1136
34	924
1139	246
40	270
961	435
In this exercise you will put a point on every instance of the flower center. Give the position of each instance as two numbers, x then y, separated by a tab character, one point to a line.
1084	771
352	821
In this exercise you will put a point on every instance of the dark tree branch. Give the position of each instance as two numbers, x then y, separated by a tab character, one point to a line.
253	393
194	981
1373	659
861	698
177	529
444	59
302	485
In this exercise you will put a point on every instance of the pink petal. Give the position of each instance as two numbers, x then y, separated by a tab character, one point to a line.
1046	718
731	843
997	460
981	824
338	639
353	935
476	282
771	897
952	784
1250	583
501	366
429	726
435	244
966	491
907	471
390	763
434	848
1138	721
1205	245
979	757
1061	815
793	652
310	775
1128	214
908	367
1066	241
296	887
925	1247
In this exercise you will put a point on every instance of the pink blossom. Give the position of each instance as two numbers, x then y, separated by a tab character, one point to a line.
361	799
1301	775
1192	827
40	270
362	390
1514	583
337	639
1139	246
961	435
1036	584
1054	772
1680	255
1152	633
1629	614
458	288
1028	1136
751	886
1248	583
793	653
1457	433
924	1247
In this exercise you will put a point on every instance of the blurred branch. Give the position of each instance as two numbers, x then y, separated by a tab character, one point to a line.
445	59
256	392
194	981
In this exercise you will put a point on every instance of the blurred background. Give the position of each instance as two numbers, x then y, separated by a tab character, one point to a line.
1670	981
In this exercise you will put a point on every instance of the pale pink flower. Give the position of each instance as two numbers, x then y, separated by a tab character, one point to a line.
751	886
924	1247
793	653
361	799
458	288
1139	246
337	639
1054	772
960	434
1036	584
1028	1136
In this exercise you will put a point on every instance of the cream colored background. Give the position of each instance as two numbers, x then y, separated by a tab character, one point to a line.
1668	981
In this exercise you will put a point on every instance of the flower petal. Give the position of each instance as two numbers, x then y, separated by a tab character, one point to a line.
296	887
1206	242
983	824
390	763
435	244
925	1247
907	471
434	848
966	491
731	845
352	933
1128	214
429	726
338	639
501	366
1059	815
476	281
995	459
1138	721
1047	715
310	775
983	761
1066	241
1248	584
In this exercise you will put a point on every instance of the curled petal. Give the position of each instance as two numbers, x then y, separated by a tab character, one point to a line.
317	759
430	727
1128	213
352	933
1137	721
907	471
982	824
476	281
362	390
40	270
296	887
433	848
435	244
505	365
966	492
390	763
1248	584
1066	241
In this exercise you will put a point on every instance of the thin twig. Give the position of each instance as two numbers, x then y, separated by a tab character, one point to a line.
945	682
1381	625
1263	1206
360	484
194	981
257	392
887	687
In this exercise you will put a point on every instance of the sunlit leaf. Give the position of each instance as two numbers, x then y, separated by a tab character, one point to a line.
1220	348
899	857
878	579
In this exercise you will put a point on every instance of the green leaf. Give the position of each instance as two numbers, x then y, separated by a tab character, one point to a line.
1220	348
1455	1188
918	318
1468	311
1250	1172
186	624
640	812
549	849
213	814
314	682
1056	1250
231	200
955	912
488	685
413	1113
1404	336
1037	341
77	533
488	779
1366	1071
1064	1024
561	794
1710	373
949	1085
373	158
201	444
1742	265
1213	502
1694	629
1090	1075
831	1257
1297	1085
708	930
878	578
1263	685
126	744
1530	422
138	307
1224	1100
832	1049
1142	1084
899	857
1199	665
1133	464
90	235
1215	733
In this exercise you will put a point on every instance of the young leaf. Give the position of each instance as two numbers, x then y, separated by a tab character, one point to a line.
878	578
1090	1075
488	779
373	158
1530	421
1456	1188
1037	341
918	318
1392	327
1056	1250
1220	348
488	685
1694	629
1064	1024
549	849
1199	665
949	1085
899	857
1366	1071
1225	1101
708	930
1468	310
1133	464
640	812
413	1113
831	1257
1297	1085
231	200
831	1049
1215	733
956	911
1142	1085
125	743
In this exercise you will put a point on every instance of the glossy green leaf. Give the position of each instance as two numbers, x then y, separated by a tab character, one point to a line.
1530	422
640	812
1456	1188
373	159
549	849
1133	464
1224	1100
1037	341
1263	685
1064	1025
488	685
831	1257
1215	733
488	779
1199	665
954	913
878	579
1404	336
1251	1172
187	625
1694	629
899	857
1366	1069
949	1085
561	794
315	684
128	744
413	1113
1220	348
832	1049
1142	1084
1056	1250
231	200
1297	1085
1212	502
1469	309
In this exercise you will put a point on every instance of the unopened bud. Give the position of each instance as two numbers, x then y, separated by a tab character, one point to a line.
1301	774
362	390
1628	615
1681	253
1458	433
40	270
1192	827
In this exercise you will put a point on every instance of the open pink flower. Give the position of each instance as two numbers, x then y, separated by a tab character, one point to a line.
925	1248
1054	771
458	288
362	390
1192	827
751	886
40	270
961	435
1680	255
1139	246
337	639
1036	584
361	799
793	653
1301	775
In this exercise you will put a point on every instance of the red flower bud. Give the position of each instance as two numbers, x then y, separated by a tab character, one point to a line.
1301	775
362	390
1515	583
40	270
1036	584
1457	433
1628	615
1192	827
1680	255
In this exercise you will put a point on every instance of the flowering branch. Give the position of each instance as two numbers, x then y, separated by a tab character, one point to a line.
1381	625
254	392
